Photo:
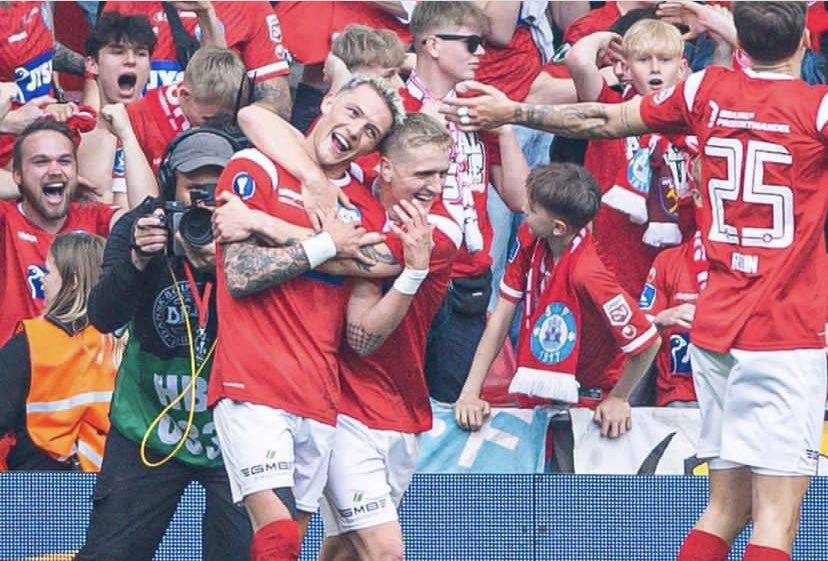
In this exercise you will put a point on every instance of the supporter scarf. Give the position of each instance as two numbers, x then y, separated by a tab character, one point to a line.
698	261
650	184
550	334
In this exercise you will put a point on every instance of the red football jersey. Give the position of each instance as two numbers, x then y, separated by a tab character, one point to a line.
386	389
612	325
763	175
599	19
278	347
24	248
469	166
672	282
157	118
26	48
512	68
310	44
251	29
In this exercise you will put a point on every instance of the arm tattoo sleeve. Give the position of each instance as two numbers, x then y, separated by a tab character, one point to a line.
250	268
580	120
67	60
380	255
362	341
274	94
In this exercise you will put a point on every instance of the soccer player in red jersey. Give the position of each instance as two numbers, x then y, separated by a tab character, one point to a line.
275	378
758	349
46	172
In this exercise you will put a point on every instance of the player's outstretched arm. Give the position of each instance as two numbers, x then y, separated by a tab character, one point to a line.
580	120
470	410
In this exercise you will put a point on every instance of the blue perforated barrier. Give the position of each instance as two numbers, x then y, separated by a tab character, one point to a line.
445	518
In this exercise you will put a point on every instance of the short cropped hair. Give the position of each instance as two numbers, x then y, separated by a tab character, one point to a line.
215	75
113	27
34	128
385	90
360	45
653	37
565	190
418	130
769	31
431	16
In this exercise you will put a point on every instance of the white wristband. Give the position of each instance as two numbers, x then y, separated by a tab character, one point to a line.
410	280
319	249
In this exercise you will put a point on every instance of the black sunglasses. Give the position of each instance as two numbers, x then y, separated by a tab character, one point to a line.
472	41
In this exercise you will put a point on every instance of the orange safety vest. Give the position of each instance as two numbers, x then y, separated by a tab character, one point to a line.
72	379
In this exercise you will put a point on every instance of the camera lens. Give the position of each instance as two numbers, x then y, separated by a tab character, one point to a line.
196	227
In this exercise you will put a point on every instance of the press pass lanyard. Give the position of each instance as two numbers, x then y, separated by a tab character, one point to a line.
202	304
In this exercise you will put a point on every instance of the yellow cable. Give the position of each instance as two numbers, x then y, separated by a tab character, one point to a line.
191	387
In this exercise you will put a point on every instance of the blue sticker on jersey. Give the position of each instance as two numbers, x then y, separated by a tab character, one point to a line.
34	277
244	185
34	78
515	248
639	171
648	296
554	334
679	355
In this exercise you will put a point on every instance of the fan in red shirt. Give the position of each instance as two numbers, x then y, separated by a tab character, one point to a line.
758	344
275	378
251	29
26	48
45	169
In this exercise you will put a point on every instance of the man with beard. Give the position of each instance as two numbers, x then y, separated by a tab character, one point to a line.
45	168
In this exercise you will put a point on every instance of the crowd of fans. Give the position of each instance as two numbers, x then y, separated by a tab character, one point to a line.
281	238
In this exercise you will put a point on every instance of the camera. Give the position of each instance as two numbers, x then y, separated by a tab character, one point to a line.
194	221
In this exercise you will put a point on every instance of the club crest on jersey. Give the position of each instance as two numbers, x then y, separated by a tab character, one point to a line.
647	298
663	95
679	355
639	171
244	185
34	278
618	311
554	335
349	215
167	318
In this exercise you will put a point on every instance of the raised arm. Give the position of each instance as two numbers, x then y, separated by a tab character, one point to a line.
580	120
582	62
140	180
509	177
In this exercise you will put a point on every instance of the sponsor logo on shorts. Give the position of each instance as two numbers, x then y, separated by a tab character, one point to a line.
266	467
364	508
812	455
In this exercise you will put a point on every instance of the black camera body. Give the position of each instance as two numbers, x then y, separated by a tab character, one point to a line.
194	221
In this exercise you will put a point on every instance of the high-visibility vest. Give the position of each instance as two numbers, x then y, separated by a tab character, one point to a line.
72	379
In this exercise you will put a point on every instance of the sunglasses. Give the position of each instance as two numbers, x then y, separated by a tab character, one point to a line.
472	41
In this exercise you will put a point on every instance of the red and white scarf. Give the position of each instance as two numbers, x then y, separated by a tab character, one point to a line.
550	333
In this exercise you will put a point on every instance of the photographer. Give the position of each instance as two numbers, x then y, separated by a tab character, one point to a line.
158	278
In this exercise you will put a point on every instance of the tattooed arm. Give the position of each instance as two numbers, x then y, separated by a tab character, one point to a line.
67	60
579	120
250	268
383	264
371	316
274	95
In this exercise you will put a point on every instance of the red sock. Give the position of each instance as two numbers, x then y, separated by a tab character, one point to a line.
277	541
703	546
755	552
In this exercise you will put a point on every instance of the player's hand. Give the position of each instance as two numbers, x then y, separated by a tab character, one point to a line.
8	93
699	19
116	119
320	197
680	316
233	221
415	234
349	237
609	49
614	416
149	237
61	112
23	116
202	258
488	110
470	411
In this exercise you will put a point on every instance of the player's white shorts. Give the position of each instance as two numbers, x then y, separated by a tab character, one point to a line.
369	472
762	409
266	448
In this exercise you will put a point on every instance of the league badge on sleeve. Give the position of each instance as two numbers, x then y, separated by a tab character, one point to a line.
554	334
618	311
244	185
647	298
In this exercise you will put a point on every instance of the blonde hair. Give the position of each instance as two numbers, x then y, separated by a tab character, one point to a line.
214	75
360	45
430	17
384	89
77	257
653	37
418	130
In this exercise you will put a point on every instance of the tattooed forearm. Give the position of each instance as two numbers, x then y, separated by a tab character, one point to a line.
250	268
362	341
67	60
380	254
274	94
581	120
